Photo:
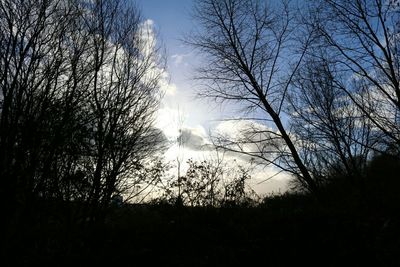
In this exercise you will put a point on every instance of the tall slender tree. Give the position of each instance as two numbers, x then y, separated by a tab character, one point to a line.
250	53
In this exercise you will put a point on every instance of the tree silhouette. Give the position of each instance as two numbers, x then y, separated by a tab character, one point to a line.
80	87
361	39
247	44
335	138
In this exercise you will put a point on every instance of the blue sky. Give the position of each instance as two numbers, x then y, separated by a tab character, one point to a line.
180	110
172	21
171	17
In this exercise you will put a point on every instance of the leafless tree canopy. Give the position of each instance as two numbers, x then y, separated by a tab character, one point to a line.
249	51
79	88
335	138
361	38
318	81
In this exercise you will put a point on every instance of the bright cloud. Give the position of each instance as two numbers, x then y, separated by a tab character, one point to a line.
149	47
192	142
148	37
165	85
194	138
266	178
168	121
178	58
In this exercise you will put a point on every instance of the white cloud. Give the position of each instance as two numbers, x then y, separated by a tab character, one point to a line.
179	58
149	48
237	128
194	139
266	178
196	144
165	85
168	121
251	137
169	89
148	37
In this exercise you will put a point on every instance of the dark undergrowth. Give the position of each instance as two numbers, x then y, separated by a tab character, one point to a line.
279	233
354	224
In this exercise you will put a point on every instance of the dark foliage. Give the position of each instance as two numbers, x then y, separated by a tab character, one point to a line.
79	85
281	233
346	226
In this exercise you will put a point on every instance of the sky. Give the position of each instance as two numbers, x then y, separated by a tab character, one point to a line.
181	112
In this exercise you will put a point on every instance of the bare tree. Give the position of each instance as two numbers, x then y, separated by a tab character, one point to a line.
124	93
212	182
362	39
335	138
79	89
236	189
31	66
249	49
180	156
